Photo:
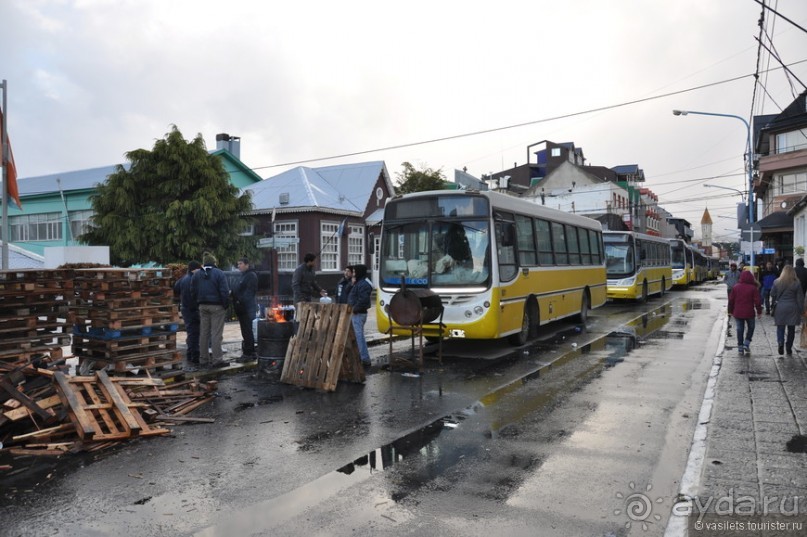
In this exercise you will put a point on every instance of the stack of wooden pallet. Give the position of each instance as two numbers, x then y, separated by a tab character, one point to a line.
34	315
125	319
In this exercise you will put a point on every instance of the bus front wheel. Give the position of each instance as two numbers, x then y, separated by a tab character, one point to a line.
520	338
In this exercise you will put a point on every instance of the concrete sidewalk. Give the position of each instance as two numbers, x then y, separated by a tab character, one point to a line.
755	437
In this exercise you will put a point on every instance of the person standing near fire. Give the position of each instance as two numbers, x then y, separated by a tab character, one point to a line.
359	301
246	307
211	291
304	281
190	314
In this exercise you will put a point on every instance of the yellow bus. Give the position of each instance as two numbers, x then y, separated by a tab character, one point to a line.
701	266
637	265
502	266
683	263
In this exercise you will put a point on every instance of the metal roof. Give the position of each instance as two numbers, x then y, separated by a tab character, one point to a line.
344	187
75	180
20	258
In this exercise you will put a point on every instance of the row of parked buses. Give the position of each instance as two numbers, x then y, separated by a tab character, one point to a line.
503	266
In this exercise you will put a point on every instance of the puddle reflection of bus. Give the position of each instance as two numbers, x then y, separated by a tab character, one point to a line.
637	265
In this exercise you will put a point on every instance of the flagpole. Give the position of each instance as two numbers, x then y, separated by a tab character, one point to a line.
4	158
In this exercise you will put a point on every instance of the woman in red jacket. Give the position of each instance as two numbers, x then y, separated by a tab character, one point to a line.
743	300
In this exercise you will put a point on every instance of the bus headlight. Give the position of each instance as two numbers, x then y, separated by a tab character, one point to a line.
468	313
626	282
678	273
479	310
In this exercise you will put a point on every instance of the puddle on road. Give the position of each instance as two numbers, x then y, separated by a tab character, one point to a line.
432	451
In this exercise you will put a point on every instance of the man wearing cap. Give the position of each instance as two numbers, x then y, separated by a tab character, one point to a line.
190	314
211	291
731	278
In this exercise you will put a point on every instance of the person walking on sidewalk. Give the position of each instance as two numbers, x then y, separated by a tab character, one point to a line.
743	300
788	300
246	307
801	274
731	278
766	279
212	293
359	301
190	314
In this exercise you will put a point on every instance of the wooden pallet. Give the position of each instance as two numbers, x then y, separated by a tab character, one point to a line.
165	359
100	408
324	350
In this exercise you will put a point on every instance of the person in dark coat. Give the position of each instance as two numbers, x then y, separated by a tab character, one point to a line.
789	300
304	281
766	280
211	291
246	307
360	302
344	285
190	314
743	300
801	274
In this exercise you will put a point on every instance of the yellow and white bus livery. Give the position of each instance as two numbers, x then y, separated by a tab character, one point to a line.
637	265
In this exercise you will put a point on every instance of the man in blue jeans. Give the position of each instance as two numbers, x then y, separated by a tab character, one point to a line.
359	300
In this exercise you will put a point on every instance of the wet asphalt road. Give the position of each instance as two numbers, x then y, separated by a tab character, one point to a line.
545	440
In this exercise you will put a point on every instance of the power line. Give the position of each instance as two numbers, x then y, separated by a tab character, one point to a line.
780	15
516	125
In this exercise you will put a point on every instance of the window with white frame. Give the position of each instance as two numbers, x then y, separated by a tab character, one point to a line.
36	227
329	239
355	245
249	230
376	251
555	151
791	141
287	256
790	183
80	222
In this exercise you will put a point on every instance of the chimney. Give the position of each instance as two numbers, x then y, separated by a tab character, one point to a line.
230	143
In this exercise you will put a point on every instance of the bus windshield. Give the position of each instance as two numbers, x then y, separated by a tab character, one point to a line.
678	257
619	258
438	253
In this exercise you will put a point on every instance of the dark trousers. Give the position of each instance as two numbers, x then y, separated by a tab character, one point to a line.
191	319
780	336
248	338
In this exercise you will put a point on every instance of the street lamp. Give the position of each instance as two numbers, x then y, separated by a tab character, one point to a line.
749	163
740	192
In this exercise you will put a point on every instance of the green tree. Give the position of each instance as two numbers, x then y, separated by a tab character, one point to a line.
412	180
172	204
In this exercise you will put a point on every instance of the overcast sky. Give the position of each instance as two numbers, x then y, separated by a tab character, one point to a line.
90	80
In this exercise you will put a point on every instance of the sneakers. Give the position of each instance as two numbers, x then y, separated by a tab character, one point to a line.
741	350
781	350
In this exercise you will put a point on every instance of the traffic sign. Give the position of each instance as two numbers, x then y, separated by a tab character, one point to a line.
277	242
752	233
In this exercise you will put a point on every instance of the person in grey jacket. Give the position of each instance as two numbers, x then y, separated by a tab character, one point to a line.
731	278
211	291
788	298
359	301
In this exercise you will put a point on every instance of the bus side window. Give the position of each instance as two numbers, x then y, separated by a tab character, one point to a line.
506	247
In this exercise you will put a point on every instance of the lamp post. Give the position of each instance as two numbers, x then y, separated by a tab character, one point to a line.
749	164
740	192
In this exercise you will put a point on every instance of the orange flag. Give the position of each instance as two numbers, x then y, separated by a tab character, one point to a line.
11	170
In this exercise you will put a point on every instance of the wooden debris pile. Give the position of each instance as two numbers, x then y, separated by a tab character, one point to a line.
125	320
46	412
34	315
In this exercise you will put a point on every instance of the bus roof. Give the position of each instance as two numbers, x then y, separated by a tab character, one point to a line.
636	234
511	203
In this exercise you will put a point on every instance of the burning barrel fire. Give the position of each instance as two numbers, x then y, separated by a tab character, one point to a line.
274	334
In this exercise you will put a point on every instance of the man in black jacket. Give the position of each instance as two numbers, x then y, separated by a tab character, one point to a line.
801	274
211	291
246	307
190	314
